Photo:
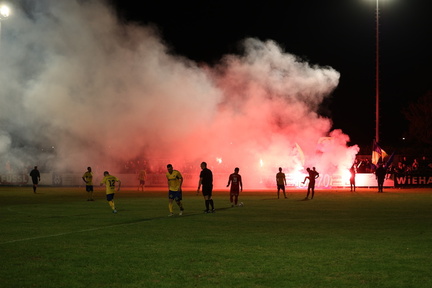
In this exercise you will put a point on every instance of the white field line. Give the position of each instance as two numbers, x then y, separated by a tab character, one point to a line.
73	232
67	233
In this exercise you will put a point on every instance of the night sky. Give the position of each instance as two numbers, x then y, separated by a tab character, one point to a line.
335	33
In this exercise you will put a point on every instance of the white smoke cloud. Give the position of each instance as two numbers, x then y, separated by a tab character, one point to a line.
98	93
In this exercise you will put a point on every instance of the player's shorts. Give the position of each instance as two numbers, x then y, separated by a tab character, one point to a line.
207	190
110	197
142	182
89	188
175	195
235	192
281	187
35	181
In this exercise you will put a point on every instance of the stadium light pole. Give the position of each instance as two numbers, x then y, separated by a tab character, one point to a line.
377	94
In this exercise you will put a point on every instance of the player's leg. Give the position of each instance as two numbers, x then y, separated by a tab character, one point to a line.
308	192
206	202
212	204
210	199
180	204
110	199
170	202
178	199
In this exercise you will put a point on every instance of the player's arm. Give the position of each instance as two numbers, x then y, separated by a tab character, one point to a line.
229	181
119	185
284	178
241	184
199	184
181	181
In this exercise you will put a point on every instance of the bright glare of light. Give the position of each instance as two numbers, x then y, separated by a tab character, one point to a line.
261	163
4	11
219	160
346	176
298	177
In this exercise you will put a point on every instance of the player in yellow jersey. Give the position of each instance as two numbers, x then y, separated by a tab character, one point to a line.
109	181
142	178
175	181
88	179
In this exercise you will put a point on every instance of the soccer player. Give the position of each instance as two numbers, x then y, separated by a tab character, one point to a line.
280	182
313	174
380	173
35	175
353	171
88	179
142	177
236	186
109	181
206	180
175	181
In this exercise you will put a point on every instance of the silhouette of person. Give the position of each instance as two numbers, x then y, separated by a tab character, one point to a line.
280	182
206	181
380	174
142	176
353	171
313	174
35	176
236	186
88	179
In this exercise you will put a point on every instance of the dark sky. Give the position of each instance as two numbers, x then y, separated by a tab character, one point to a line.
336	33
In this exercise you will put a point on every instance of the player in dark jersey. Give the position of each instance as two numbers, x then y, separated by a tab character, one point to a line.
313	174
206	181
280	182
236	186
35	176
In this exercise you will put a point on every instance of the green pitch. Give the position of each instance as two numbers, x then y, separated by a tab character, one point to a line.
340	239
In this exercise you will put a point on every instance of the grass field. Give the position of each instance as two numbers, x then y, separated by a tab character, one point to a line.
340	239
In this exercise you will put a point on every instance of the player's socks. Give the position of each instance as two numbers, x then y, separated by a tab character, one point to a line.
207	203
111	203
170	207
180	204
211	203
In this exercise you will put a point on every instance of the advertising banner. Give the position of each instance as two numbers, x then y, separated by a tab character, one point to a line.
411	181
